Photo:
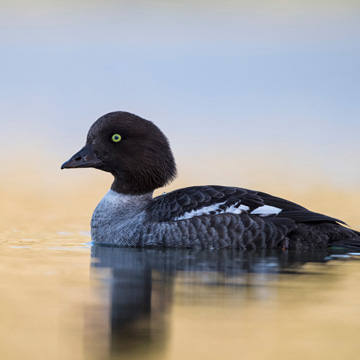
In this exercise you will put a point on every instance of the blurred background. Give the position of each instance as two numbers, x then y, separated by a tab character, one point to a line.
262	94
258	94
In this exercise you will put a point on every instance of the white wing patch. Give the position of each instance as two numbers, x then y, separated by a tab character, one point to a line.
266	210
236	208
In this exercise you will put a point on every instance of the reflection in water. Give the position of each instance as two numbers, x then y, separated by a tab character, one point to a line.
142	282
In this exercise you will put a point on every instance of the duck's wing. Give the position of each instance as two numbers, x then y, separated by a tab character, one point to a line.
205	200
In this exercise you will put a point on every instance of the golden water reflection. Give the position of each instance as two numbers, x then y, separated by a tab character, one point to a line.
188	304
76	302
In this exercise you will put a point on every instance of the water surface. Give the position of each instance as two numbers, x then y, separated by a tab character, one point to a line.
62	298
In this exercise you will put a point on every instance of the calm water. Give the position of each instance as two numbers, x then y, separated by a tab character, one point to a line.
62	298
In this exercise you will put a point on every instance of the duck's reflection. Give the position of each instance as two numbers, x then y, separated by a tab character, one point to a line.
140	286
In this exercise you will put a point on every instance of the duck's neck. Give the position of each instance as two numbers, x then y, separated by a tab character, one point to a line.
132	187
127	202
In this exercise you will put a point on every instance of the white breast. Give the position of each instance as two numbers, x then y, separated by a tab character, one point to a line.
116	217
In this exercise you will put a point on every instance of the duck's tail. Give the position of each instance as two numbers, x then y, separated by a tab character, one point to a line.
349	239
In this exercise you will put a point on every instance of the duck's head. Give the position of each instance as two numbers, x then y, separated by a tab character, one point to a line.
133	149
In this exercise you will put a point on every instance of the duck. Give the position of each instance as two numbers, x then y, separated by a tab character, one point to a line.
138	155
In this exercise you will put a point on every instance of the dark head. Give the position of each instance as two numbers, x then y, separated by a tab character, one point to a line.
133	149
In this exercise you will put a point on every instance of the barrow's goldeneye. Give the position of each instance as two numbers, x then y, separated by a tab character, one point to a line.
138	155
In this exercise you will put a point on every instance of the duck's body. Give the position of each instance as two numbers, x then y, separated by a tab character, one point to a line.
138	155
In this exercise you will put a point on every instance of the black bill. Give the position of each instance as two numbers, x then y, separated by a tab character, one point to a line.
82	159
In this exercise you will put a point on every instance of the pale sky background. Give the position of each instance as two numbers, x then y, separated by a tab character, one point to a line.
246	91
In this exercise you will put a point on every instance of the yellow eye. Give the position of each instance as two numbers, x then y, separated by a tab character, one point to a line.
116	138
